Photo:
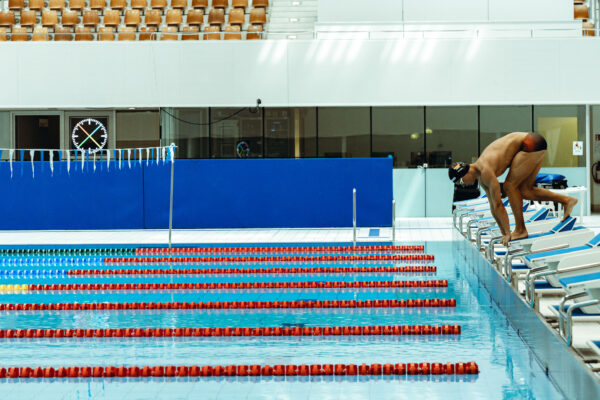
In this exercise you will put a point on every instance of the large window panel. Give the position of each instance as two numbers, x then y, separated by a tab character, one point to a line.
400	132
236	133
561	126
188	129
290	132
450	135
344	132
497	121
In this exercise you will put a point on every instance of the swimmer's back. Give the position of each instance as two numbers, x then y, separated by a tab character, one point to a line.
499	154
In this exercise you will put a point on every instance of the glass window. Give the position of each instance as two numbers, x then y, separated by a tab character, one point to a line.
399	131
188	129
236	133
5	133
290	132
344	132
495	122
450	135
561	126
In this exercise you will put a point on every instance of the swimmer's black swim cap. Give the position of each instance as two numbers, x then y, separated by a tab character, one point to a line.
457	171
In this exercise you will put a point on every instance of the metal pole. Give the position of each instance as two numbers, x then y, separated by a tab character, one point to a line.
393	221
354	216
171	197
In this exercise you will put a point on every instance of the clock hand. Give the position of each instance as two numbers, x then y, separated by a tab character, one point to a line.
89	136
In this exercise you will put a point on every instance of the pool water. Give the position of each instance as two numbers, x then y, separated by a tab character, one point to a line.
507	368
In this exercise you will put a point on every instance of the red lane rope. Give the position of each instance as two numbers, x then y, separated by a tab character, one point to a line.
424	368
243	271
259	259
409	303
284	249
240	285
247	331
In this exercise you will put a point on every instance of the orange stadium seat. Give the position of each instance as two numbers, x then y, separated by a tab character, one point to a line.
133	17
126	33
56	4
260	3
16	4
174	17
200	4
220	3
28	18
158	4
239	4
588	29
112	18
190	33
255	32
40	34
237	17
212	32
37	5
216	16
3	34
70	18
62	34
119	5
139	4
147	33
258	16
19	34
233	33
83	33
581	11
77	5
179	4
7	18
106	33
49	18
153	18
91	18
169	33
195	17
97	5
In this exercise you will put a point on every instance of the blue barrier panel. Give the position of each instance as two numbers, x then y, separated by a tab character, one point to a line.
270	193
100	199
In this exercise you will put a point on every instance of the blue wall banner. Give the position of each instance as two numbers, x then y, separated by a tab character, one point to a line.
247	193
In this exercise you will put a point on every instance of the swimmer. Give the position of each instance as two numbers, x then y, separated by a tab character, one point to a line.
523	152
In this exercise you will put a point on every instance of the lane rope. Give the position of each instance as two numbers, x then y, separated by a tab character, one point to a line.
234	331
377	369
299	304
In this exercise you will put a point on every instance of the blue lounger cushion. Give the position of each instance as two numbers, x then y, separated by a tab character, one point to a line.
578	312
543	285
580	278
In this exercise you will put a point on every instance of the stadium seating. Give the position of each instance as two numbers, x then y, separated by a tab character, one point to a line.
84	20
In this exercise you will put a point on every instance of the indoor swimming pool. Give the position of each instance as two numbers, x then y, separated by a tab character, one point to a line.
394	310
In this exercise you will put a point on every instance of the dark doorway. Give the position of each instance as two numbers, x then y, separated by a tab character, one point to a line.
37	132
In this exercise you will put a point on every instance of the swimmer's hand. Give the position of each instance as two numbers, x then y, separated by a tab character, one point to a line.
505	239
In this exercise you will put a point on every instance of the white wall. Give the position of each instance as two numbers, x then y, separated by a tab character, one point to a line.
377	11
299	73
359	10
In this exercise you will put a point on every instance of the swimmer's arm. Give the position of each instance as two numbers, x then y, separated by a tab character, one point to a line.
492	188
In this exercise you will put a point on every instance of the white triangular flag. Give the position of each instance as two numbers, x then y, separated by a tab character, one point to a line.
11	154
120	153
107	160
157	155
83	154
94	161
52	162
164	154
68	161
140	159
147	155
32	155
129	158
172	152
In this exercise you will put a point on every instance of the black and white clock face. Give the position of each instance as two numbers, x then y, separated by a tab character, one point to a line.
89	134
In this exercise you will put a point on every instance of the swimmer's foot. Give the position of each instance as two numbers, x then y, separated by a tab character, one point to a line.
568	207
518	235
